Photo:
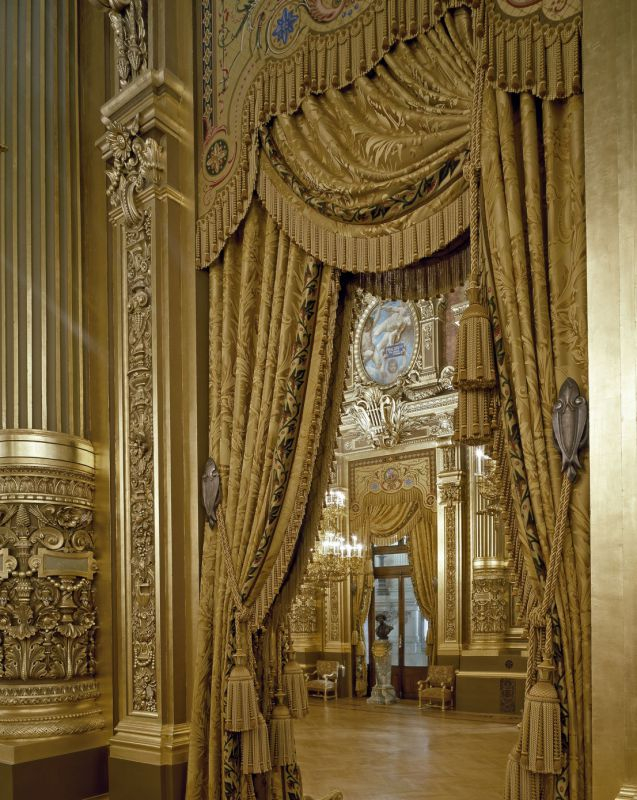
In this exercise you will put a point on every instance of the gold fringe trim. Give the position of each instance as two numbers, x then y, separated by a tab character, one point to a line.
324	61
369	248
430	277
527	55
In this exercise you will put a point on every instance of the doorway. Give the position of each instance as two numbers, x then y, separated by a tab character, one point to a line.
394	596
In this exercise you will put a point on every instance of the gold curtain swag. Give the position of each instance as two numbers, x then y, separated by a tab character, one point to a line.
533	186
272	332
371	178
534	47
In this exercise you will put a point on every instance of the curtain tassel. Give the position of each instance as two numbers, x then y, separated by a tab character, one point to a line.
541	726
242	708
282	748
295	687
521	784
475	365
255	748
475	374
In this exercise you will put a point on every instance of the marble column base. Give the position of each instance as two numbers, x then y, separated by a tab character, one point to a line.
382	696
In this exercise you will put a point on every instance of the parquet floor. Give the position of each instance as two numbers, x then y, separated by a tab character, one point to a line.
401	753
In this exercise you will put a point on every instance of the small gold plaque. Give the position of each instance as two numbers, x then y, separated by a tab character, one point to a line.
79	564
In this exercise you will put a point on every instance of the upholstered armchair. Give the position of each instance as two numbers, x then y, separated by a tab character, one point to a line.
324	679
438	687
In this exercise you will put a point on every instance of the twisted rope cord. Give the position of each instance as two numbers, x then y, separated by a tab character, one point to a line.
242	612
473	167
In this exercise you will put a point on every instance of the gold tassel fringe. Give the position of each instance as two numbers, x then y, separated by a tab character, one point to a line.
255	749
295	688
242	708
282	748
475	364
541	727
522	784
473	416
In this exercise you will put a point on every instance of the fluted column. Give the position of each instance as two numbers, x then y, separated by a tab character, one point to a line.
490	586
48	616
450	549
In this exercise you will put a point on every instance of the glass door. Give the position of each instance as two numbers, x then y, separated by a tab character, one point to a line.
394	597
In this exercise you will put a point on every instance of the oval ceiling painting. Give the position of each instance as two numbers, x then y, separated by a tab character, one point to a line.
388	341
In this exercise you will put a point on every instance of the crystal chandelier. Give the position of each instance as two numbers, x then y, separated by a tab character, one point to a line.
335	555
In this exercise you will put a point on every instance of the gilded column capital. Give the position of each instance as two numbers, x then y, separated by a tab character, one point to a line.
136	163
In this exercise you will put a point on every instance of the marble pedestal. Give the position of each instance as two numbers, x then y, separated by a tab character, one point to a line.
383	693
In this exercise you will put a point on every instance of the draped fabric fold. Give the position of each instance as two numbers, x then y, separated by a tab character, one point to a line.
533	185
363	588
371	178
423	559
272	331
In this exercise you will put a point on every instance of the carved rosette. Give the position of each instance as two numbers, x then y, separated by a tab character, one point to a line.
47	608
136	166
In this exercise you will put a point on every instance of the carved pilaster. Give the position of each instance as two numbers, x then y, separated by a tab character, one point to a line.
48	620
450	497
136	166
160	397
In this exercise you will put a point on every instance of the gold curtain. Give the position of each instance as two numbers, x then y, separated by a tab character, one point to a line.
363	589
533	186
384	519
386	523
423	558
370	178
272	329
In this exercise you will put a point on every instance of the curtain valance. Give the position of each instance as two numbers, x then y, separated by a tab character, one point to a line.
370	178
261	60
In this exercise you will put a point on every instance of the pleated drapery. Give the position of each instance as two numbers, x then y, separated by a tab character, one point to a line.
371	178
533	186
273	316
423	559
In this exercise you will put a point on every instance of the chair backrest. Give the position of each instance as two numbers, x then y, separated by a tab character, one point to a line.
326	667
442	673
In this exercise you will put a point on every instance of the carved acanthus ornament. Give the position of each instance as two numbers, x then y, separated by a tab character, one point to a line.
380	417
489	604
48	619
304	612
136	165
129	29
